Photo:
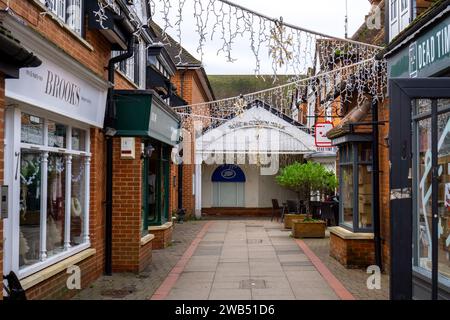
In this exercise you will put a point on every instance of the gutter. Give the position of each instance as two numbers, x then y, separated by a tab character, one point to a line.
109	132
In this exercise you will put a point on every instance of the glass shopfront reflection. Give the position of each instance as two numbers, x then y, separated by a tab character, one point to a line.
423	219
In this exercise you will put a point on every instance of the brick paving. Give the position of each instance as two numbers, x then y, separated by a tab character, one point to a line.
130	286
353	279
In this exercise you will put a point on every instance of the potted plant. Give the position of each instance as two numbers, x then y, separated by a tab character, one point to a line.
306	179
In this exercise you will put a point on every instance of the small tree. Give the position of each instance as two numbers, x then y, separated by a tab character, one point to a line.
306	178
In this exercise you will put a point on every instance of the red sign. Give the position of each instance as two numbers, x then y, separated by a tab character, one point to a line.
321	129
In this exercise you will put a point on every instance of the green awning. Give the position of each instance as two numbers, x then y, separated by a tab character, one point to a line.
142	113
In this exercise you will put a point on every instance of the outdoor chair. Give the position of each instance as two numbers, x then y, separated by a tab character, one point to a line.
292	206
277	209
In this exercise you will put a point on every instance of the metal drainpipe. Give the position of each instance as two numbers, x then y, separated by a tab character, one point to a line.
376	185
109	122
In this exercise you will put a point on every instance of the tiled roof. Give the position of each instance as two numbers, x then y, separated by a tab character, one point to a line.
355	115
173	49
372	36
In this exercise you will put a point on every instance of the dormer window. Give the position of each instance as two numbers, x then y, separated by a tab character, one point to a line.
69	11
134	68
399	16
139	8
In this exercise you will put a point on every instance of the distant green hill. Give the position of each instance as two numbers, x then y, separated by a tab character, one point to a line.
226	86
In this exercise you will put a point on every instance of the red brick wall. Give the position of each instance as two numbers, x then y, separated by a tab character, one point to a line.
2	136
173	189
55	288
352	253
145	255
127	207
383	149
163	238
193	92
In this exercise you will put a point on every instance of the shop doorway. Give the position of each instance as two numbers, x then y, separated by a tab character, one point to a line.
228	186
420	188
155	191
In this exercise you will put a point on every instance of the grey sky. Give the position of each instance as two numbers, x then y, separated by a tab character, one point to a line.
326	16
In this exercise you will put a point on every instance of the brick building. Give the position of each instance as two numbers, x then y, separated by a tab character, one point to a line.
193	86
61	141
362	235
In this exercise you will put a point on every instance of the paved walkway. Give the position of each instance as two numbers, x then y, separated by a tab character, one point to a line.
250	259
238	259
130	286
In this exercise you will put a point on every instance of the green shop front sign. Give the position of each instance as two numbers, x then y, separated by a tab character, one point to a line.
142	113
425	56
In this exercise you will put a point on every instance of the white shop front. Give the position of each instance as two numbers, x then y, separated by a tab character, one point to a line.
49	113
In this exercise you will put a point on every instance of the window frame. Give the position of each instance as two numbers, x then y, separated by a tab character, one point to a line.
12	253
134	68
354	162
62	17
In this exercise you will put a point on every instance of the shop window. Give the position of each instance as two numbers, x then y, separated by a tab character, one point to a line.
52	194
69	11
356	197
423	226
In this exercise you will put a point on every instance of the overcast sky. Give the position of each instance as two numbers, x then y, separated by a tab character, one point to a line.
325	16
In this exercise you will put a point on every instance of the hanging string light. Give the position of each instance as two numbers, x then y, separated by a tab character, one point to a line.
343	84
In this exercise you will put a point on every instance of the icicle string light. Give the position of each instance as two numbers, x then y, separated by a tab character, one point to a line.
343	84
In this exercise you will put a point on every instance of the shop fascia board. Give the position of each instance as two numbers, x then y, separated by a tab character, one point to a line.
41	46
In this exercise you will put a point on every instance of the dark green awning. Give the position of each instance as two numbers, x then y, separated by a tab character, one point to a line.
142	113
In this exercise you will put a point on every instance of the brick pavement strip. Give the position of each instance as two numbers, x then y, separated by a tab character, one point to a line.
141	286
354	280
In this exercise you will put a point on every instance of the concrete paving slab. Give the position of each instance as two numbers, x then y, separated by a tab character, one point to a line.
230	294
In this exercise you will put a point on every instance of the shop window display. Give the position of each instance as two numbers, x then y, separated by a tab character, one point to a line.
423	218
355	161
53	166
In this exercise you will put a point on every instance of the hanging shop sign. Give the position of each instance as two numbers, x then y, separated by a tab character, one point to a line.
427	55
321	129
53	88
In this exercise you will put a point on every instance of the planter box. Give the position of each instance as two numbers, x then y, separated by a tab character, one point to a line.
302	229
289	217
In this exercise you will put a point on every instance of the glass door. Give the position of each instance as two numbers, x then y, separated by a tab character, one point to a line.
420	181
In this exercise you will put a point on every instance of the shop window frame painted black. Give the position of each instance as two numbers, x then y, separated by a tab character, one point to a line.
402	194
353	161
